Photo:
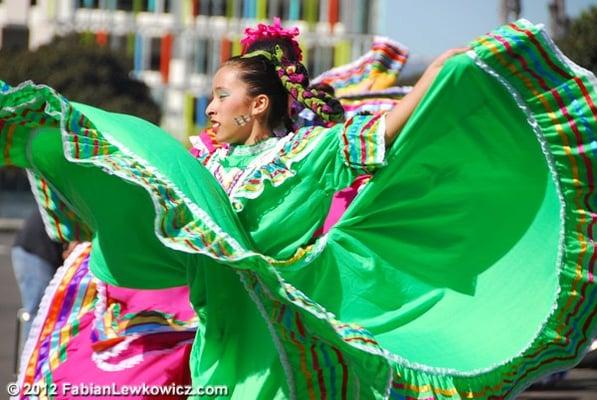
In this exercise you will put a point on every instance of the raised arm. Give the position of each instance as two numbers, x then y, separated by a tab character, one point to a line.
399	115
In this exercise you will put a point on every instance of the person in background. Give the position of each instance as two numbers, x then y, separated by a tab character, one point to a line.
35	259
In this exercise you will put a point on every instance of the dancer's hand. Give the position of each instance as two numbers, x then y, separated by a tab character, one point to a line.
69	249
437	64
439	61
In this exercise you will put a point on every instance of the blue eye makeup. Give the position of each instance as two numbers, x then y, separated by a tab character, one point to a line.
221	93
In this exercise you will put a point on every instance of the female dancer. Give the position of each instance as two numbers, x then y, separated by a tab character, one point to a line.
462	269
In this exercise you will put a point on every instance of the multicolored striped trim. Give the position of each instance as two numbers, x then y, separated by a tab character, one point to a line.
263	167
544	84
559	100
363	142
375	70
394	92
180	224
315	368
61	222
204	144
12	141
277	168
70	295
369	105
361	138
110	323
72	298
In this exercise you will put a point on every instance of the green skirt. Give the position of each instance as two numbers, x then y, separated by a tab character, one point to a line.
463	269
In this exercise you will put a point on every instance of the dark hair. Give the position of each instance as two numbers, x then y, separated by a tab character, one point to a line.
259	74
269	44
262	77
289	49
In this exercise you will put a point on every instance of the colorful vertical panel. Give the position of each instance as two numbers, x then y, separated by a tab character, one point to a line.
236	48
246	9
225	50
139	56
294	10
310	14
342	53
137	6
101	38
261	9
189	121
88	38
186	10
165	57
333	11
51	8
200	107
195	7
130	45
230	7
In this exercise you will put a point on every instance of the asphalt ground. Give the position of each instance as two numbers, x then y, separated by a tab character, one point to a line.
9	305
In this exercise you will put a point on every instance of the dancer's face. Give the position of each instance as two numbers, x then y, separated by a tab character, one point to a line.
230	111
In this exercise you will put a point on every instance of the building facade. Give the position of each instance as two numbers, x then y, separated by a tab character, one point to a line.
177	45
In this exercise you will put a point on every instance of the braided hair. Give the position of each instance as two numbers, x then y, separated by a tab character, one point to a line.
268	57
295	80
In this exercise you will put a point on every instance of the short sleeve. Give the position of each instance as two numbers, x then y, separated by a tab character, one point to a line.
362	142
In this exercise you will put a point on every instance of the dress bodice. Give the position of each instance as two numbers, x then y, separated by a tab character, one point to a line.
282	188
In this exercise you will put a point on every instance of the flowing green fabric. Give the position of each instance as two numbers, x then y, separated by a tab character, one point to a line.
463	269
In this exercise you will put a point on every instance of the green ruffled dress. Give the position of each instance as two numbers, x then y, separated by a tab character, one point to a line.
463	268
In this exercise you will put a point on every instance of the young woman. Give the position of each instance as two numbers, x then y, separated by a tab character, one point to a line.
455	272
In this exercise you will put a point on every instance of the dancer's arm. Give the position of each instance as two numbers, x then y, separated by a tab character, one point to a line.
399	115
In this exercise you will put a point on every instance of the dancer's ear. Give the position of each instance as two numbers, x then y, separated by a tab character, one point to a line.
260	105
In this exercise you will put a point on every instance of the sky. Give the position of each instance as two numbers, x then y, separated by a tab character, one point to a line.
428	27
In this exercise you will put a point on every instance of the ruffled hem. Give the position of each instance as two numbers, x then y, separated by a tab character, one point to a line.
566	333
38	326
558	344
378	69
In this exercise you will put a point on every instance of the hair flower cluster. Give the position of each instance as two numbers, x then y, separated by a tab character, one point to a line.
273	31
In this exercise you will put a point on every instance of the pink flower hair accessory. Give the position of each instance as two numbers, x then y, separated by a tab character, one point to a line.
273	31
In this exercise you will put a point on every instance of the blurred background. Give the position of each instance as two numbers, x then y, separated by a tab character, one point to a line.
155	59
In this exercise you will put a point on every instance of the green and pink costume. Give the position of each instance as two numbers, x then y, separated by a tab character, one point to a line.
464	267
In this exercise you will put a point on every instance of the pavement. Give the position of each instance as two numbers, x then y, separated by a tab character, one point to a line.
9	304
579	384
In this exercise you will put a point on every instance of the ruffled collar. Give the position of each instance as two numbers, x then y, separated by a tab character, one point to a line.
252	149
